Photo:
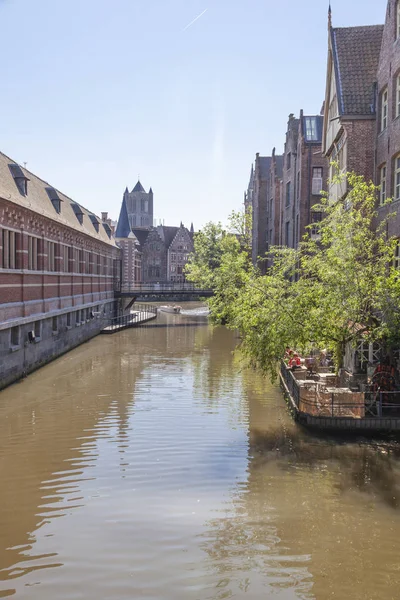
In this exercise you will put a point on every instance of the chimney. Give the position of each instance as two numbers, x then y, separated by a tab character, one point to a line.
104	217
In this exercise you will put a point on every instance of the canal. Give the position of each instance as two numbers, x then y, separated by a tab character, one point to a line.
151	464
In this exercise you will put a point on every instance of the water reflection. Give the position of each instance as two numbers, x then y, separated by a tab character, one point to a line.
152	464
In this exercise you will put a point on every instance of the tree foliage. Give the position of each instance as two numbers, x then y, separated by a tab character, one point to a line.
332	289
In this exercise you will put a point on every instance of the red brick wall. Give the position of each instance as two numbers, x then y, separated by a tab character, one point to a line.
388	141
40	290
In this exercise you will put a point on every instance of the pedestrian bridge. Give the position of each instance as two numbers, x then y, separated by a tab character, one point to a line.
169	291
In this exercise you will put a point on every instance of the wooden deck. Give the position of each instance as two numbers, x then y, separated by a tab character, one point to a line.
366	424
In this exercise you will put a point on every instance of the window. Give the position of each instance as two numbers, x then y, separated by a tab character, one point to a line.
14	341
296	233
288	193
287	230
68	320
397	19
77	318
173	268
54	324
384	109
311	129
38	330
316	218
397	113
51	256
9	239
396	257
397	178
316	181
173	256
82	315
32	253
288	160
81	263
64	266
382	183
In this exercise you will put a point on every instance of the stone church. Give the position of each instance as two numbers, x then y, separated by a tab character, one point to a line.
150	254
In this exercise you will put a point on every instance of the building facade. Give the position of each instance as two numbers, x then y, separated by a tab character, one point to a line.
59	269
274	201
256	200
388	119
350	102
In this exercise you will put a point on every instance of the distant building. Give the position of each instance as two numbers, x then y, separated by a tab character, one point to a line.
274	199
139	205
256	198
304	177
59	269
152	254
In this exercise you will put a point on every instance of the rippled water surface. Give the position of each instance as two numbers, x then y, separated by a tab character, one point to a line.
151	464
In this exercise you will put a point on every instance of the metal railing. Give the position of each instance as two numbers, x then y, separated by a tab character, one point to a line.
162	286
140	314
318	401
291	383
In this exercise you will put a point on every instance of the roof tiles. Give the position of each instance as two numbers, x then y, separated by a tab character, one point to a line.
356	54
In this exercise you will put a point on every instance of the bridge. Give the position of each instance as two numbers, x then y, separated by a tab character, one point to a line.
168	291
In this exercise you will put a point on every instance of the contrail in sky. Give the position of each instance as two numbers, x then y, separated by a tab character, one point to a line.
194	20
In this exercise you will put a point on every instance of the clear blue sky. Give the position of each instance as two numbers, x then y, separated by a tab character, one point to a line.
95	92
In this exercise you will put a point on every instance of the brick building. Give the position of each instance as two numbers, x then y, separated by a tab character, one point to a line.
312	169
274	199
350	106
388	117
287	208
256	197
59	267
131	256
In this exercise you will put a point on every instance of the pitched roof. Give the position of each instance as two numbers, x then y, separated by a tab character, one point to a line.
37	199
141	235
138	187
123	226
356	54
167	234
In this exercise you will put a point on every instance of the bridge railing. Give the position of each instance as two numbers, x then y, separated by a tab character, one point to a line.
162	286
141	312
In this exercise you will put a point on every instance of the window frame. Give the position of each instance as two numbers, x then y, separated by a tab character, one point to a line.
396	178
382	184
384	109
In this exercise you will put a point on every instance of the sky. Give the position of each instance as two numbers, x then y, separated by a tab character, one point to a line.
96	93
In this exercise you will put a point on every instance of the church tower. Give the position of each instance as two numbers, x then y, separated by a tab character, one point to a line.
139	204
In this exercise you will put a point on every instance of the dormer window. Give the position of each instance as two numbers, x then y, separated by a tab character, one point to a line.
20	179
95	222
107	229
78	212
55	198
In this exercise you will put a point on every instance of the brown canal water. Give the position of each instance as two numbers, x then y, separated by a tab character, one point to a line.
150	464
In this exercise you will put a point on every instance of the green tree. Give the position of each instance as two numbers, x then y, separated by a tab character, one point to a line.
328	292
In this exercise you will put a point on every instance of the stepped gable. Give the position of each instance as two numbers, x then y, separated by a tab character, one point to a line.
167	234
356	53
21	187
